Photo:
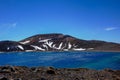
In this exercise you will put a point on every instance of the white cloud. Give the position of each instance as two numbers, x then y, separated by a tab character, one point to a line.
110	28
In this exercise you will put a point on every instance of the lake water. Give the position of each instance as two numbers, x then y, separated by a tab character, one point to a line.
92	60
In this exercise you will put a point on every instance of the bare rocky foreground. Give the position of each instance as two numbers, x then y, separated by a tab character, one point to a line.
50	73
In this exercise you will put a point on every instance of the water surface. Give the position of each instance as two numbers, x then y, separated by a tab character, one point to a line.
92	60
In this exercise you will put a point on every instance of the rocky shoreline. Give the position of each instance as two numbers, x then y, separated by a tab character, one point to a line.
50	73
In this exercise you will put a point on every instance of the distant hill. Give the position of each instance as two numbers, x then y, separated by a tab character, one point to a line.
57	42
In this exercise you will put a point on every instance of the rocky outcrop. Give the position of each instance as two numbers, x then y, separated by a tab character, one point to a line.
50	73
57	42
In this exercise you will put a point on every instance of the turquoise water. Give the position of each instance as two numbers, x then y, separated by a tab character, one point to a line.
92	60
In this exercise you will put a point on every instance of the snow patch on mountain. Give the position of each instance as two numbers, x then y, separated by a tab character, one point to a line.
49	43
38	48
59	47
69	45
8	48
44	40
19	46
79	49
25	42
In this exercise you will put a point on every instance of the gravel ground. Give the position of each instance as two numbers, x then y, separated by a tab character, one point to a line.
50	73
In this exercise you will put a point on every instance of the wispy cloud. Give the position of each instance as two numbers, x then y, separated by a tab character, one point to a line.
110	28
9	25
13	24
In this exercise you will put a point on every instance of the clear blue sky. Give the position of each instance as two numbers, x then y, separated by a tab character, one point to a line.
84	19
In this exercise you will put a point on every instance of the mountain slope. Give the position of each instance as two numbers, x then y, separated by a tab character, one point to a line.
57	42
7	46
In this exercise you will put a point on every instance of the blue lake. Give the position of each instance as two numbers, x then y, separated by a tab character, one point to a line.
92	60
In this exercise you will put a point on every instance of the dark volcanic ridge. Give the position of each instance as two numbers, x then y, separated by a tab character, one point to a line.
50	73
57	42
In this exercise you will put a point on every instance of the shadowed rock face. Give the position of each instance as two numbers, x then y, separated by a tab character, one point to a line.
50	73
57	42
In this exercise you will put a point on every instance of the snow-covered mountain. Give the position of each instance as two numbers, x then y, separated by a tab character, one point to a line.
57	42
